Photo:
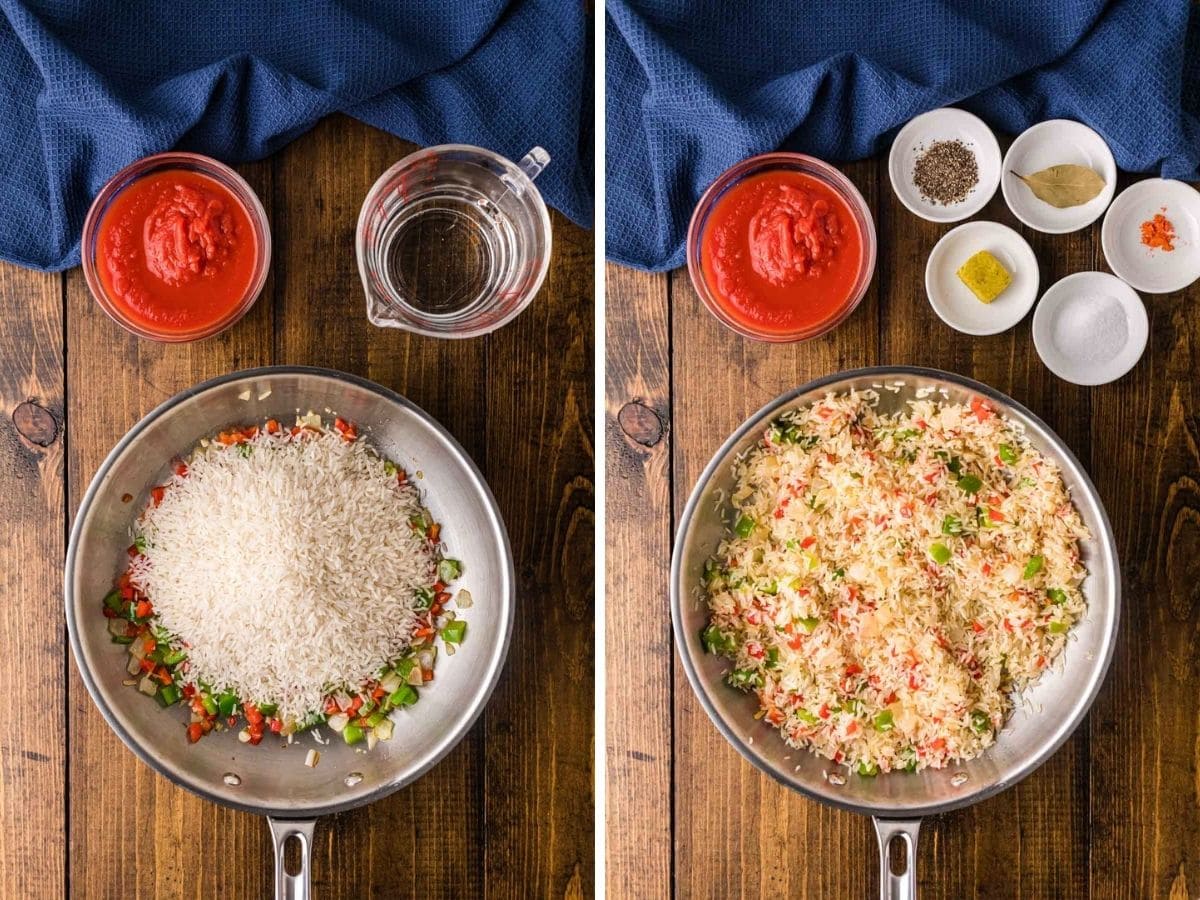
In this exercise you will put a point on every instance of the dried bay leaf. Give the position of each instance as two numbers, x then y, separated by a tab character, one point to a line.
1064	186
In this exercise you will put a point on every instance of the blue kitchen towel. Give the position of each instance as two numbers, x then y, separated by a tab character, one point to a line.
92	85
693	87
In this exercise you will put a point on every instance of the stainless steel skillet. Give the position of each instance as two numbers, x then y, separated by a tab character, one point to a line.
269	779
897	801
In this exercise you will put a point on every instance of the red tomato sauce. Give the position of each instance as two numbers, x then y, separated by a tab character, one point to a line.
781	252
176	251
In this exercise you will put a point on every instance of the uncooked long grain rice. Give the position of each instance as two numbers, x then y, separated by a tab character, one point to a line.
288	568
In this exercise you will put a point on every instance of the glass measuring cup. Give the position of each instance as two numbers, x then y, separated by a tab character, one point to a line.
453	241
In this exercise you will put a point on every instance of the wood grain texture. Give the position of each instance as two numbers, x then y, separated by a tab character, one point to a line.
32	693
1145	729
538	728
509	811
1116	812
638	630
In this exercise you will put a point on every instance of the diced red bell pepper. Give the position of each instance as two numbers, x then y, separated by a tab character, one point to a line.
157	493
980	408
194	732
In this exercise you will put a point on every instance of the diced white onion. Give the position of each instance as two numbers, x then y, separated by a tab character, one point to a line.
391	682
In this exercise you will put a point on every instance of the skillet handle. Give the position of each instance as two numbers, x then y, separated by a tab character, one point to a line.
298	886
891	885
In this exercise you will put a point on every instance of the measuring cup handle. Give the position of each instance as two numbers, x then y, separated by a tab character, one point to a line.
533	162
891	885
298	886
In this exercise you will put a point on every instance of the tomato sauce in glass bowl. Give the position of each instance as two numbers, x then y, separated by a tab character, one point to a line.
781	247
176	247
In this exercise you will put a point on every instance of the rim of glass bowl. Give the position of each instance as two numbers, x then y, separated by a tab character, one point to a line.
193	162
782	161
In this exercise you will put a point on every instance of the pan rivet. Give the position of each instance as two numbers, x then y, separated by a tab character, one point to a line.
353	778
232	780
959	779
835	778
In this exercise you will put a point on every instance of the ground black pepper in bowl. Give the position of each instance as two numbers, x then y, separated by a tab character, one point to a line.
945	172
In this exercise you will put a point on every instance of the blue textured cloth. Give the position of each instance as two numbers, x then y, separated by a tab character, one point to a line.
693	86
92	85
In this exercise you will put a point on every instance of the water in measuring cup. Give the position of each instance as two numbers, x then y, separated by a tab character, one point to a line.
444	253
453	241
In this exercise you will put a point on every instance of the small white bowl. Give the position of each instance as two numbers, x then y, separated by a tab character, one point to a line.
954	302
1054	143
946	124
1145	268
1065	328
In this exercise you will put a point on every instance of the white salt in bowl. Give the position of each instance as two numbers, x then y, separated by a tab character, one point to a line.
1090	328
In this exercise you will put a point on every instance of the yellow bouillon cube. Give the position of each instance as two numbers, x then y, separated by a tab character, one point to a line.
985	276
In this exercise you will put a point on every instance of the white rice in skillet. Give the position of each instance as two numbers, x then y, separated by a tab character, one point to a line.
888	582
286	568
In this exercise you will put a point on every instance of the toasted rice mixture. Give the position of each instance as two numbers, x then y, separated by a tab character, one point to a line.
888	582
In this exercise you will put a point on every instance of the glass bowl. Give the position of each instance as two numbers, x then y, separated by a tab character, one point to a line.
192	162
776	162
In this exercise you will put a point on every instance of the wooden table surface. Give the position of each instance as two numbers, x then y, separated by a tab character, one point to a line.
509	812
1115	813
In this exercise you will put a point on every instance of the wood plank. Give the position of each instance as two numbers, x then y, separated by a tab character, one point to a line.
313	313
132	833
1031	841
32	693
321	320
733	824
1145	730
540	463
638	527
